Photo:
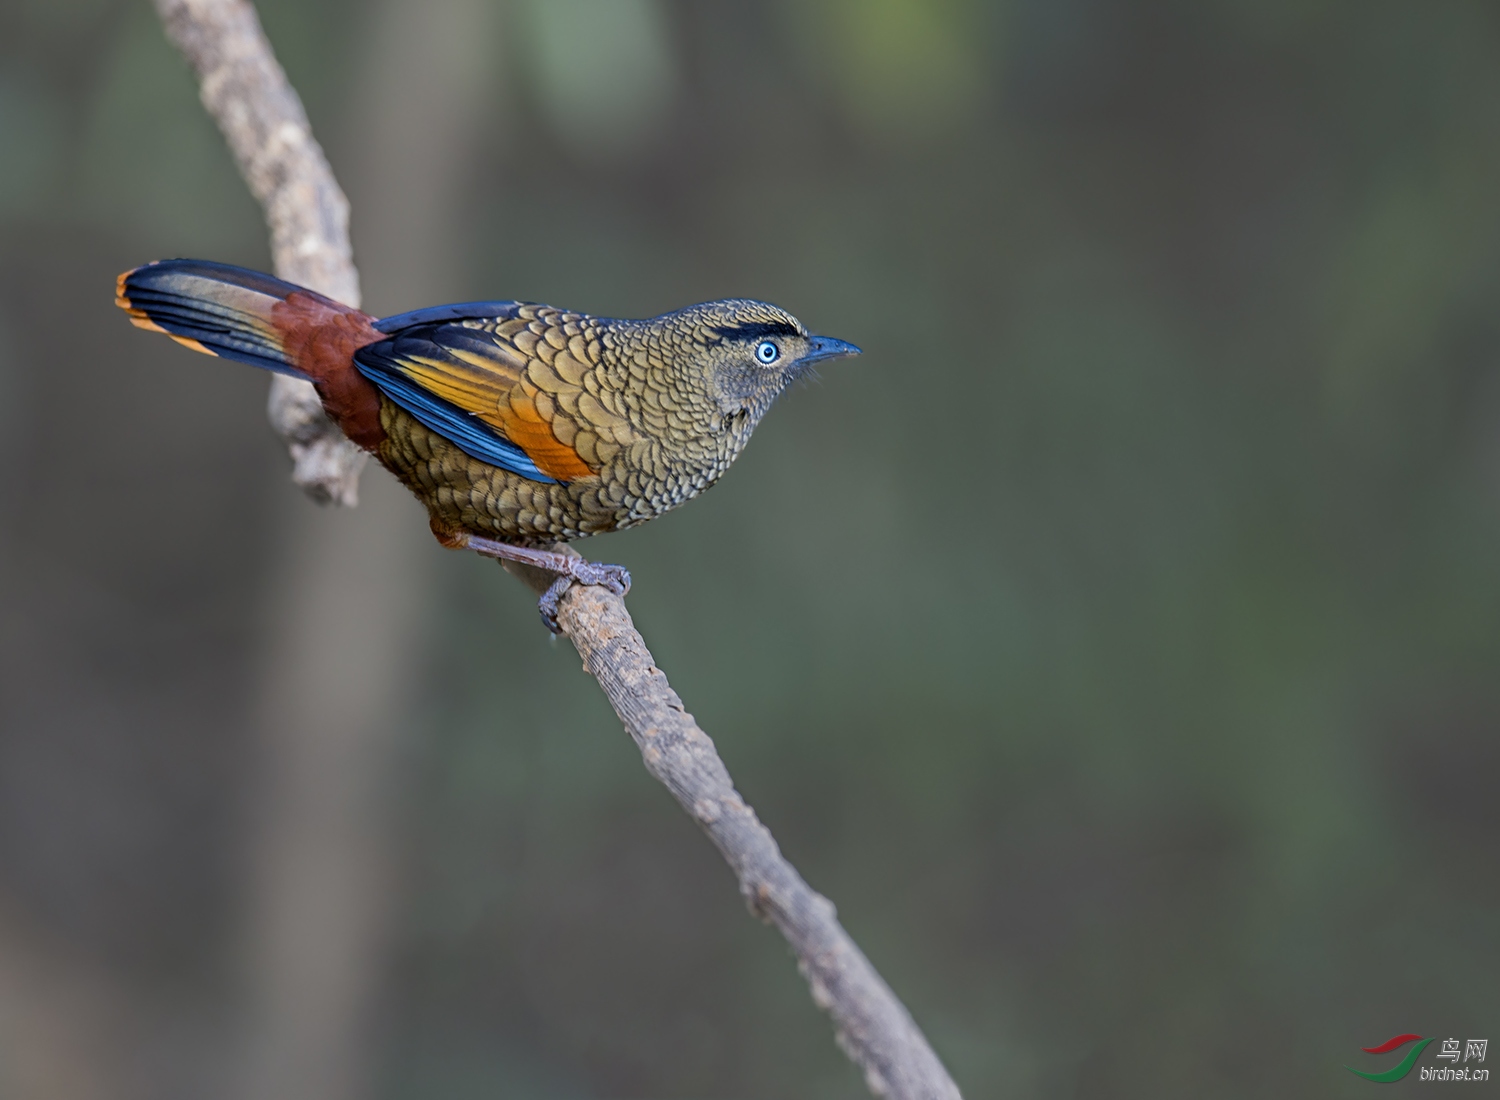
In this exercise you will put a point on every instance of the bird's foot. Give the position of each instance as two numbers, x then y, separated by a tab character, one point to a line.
570	569
616	578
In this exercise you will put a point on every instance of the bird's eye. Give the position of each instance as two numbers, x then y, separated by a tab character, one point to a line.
767	352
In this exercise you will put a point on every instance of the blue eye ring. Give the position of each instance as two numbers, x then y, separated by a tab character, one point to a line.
766	352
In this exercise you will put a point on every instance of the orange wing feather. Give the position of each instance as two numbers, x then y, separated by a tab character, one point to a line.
487	384
524	427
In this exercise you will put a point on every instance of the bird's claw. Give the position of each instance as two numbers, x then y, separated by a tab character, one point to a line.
616	578
568	569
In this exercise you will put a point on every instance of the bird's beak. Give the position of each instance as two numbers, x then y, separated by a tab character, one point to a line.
826	347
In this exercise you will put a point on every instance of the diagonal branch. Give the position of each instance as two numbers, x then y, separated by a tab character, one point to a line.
247	93
871	1024
244	88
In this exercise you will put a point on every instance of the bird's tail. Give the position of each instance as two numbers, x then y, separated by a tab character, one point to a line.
239	314
214	308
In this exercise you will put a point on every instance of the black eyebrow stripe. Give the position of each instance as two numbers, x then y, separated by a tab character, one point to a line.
757	331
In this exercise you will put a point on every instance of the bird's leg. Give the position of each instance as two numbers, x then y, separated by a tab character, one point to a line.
570	570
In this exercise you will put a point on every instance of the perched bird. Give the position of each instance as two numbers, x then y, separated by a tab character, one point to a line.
517	425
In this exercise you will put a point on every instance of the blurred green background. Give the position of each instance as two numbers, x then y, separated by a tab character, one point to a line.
1115	642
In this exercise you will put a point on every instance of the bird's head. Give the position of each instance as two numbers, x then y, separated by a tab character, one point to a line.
746	352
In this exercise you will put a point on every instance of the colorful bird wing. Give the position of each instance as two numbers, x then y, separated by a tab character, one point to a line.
466	384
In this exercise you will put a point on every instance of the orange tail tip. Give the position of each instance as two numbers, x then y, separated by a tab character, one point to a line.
138	317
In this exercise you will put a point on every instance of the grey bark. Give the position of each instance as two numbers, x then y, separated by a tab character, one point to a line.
246	91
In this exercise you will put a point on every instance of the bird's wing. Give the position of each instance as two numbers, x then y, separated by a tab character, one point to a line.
471	386
462	311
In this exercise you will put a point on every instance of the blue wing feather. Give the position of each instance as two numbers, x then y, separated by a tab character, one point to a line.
464	430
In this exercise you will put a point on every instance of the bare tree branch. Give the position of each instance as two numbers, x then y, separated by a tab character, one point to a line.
872	1026
246	91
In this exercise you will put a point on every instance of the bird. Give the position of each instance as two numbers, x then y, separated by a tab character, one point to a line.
518	425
